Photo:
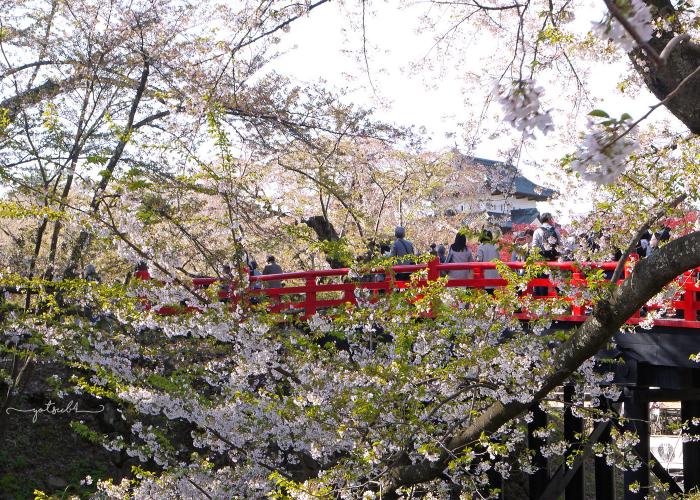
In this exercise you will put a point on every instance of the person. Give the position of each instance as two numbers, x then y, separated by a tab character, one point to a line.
226	283
653	245
433	249
521	246
487	252
254	271
643	244
442	253
272	267
459	252
657	238
402	248
664	235
227	273
546	238
90	274
257	284
384	249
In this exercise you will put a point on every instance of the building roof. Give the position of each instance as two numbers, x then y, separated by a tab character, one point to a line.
517	185
524	215
485	217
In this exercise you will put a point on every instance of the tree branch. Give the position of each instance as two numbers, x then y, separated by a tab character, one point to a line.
645	227
113	161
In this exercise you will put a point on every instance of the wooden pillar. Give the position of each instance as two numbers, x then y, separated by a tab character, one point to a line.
573	430
433	272
691	449
604	473
637	413
539	479
310	299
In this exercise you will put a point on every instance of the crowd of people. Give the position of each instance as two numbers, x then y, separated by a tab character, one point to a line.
546	241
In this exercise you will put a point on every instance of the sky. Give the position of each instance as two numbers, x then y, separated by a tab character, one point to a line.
409	88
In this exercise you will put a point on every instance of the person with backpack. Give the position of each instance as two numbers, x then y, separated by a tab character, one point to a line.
402	248
546	238
442	253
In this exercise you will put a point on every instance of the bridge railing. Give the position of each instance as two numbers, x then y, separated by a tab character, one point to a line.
307	292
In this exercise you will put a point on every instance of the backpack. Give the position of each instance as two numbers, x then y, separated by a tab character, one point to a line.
550	241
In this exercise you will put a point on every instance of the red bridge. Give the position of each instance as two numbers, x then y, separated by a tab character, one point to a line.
307	292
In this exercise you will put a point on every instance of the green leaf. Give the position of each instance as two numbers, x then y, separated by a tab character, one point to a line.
625	116
600	113
97	159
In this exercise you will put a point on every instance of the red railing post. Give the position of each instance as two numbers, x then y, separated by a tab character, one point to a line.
310	299
576	281
693	285
433	273
689	303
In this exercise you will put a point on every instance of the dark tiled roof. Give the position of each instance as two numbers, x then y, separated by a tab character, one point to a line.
487	217
524	215
525	187
521	186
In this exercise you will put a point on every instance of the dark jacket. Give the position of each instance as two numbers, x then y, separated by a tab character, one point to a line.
273	268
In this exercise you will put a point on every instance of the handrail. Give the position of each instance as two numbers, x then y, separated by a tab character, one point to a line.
315	290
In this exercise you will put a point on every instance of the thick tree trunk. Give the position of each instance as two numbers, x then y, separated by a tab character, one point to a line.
684	59
324	232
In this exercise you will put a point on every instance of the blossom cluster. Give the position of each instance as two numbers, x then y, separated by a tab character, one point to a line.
602	155
639	17
521	102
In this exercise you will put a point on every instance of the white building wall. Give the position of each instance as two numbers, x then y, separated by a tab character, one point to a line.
496	203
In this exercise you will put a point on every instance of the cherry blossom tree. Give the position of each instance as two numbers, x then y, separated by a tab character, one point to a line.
135	133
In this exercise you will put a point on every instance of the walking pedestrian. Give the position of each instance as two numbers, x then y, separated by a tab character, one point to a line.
402	248
459	252
272	267
487	252
546	238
